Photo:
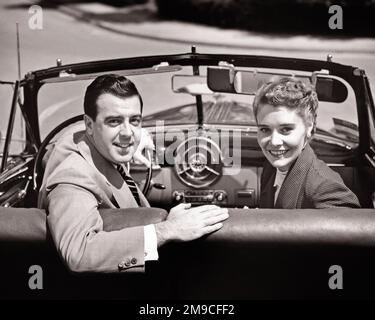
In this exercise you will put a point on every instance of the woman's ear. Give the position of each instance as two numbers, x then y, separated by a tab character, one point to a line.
88	124
310	127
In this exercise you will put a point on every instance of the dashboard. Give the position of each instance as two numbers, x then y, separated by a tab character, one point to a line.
204	166
220	165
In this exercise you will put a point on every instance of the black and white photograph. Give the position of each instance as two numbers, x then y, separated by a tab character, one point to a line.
187	155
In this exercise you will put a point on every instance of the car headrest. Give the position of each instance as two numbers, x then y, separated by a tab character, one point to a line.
21	224
247	226
336	226
30	225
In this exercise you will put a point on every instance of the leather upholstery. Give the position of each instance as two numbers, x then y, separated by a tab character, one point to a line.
29	225
311	226
330	226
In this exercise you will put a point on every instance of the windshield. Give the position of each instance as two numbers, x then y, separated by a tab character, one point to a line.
60	101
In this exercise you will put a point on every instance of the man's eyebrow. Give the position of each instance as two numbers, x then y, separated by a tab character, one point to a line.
113	117
280	125
122	117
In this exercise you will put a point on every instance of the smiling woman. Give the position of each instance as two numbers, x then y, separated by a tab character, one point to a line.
286	120
293	177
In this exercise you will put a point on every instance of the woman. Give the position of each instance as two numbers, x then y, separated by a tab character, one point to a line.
293	177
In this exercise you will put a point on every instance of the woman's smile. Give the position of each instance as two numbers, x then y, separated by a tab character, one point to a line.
277	153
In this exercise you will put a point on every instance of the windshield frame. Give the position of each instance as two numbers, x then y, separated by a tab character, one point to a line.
9	133
353	76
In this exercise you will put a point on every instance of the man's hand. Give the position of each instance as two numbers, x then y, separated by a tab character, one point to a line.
185	223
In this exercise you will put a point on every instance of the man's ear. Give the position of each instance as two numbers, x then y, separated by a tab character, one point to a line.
89	123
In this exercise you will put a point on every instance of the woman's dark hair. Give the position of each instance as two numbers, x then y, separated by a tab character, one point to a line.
114	84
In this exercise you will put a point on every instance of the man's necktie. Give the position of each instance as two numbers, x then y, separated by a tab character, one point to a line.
130	182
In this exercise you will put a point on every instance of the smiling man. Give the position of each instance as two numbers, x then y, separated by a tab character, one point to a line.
87	172
116	128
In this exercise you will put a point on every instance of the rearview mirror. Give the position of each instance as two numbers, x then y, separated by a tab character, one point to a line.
227	79
194	85
221	79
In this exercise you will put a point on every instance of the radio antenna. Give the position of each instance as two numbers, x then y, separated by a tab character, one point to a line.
19	77
18	53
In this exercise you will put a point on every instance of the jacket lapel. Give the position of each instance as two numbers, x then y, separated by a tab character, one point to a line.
267	189
290	191
143	199
112	177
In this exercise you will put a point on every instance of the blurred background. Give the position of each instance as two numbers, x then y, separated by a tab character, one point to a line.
82	30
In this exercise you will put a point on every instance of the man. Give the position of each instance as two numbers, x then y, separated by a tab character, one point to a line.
82	176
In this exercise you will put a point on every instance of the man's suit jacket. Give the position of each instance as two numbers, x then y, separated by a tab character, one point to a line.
77	182
310	183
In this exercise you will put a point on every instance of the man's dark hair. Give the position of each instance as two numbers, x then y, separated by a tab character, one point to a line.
117	85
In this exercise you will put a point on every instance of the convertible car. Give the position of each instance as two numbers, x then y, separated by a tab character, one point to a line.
198	111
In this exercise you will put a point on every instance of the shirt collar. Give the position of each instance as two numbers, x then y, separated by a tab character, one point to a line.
280	177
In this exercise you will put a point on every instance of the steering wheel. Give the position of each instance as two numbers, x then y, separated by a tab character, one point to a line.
38	168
